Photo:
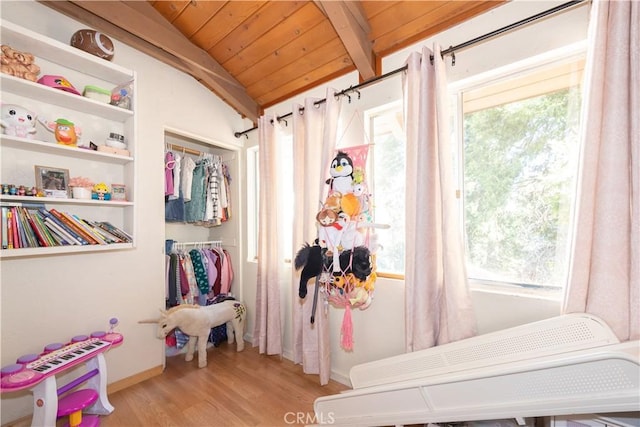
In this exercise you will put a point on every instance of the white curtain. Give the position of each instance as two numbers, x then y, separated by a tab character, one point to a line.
314	139
438	305
267	332
605	269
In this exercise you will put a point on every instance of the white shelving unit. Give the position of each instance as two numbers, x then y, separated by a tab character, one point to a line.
95	120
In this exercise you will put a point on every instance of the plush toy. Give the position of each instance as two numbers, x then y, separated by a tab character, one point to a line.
341	172
18	64
65	131
17	121
327	217
313	258
333	201
101	191
350	204
93	42
197	321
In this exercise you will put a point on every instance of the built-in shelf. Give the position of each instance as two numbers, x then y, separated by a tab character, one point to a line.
19	155
61	150
63	201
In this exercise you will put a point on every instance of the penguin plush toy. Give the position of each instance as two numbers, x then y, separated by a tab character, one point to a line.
341	172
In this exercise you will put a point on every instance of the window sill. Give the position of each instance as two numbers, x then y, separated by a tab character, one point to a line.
525	291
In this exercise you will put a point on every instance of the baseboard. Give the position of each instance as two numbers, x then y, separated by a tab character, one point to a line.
134	379
111	388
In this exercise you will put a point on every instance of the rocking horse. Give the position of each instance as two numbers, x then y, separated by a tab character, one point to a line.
197	321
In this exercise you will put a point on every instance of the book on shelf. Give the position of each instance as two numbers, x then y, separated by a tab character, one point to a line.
90	230
31	225
104	232
61	226
53	238
115	230
35	215
9	230
61	232
70	222
5	237
39	234
22	235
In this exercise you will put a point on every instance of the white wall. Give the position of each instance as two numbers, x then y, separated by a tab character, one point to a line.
379	330
50	299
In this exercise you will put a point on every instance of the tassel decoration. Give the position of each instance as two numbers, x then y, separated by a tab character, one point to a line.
346	331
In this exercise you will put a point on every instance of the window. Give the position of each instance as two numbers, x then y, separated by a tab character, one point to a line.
518	167
253	202
387	181
285	174
517	164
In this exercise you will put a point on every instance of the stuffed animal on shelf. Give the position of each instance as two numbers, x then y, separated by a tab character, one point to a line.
17	121
18	64
65	131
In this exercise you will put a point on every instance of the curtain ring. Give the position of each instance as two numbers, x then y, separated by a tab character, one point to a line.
453	59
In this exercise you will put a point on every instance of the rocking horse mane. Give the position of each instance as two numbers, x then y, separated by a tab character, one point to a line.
180	307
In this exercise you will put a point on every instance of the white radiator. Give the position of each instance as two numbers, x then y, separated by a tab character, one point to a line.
571	364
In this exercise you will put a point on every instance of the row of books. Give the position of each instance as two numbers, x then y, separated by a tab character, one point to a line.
33	226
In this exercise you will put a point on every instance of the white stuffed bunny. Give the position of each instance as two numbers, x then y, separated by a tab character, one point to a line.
17	121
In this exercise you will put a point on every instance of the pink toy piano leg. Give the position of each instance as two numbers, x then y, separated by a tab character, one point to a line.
99	383
45	403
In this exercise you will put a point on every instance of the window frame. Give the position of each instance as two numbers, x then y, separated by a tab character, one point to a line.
557	56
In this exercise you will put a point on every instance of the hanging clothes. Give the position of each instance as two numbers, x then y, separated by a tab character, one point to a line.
196	191
169	164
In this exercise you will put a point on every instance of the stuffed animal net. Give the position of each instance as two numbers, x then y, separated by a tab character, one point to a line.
343	257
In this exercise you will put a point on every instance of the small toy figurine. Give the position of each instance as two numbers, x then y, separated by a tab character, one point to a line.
17	121
101	192
66	132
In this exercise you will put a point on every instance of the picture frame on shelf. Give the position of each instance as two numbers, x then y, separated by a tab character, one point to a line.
119	192
54	182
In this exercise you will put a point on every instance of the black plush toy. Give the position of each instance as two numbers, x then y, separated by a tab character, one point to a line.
312	259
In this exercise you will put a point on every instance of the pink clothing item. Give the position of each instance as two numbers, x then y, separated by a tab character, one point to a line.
212	270
169	164
227	274
184	282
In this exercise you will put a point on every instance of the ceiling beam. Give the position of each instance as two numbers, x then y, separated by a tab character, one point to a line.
349	21
147	26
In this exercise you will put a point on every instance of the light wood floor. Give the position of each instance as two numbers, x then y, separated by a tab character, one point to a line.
235	389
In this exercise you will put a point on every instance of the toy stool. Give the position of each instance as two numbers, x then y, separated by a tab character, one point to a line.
73	403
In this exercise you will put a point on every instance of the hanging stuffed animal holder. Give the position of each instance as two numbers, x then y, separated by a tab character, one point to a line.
344	255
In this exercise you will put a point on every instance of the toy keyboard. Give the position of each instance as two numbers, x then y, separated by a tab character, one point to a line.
32	369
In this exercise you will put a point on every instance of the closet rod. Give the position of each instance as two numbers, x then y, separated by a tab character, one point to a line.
204	242
449	51
185	149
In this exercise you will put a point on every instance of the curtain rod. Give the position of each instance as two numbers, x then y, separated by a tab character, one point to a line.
450	51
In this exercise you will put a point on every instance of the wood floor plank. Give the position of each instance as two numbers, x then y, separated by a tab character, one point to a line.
235	389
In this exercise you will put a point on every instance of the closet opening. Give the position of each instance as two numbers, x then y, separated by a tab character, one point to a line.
202	226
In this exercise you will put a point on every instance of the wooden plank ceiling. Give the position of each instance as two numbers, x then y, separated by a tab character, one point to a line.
254	54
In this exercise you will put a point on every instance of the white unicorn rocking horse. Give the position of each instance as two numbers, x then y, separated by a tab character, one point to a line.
197	321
